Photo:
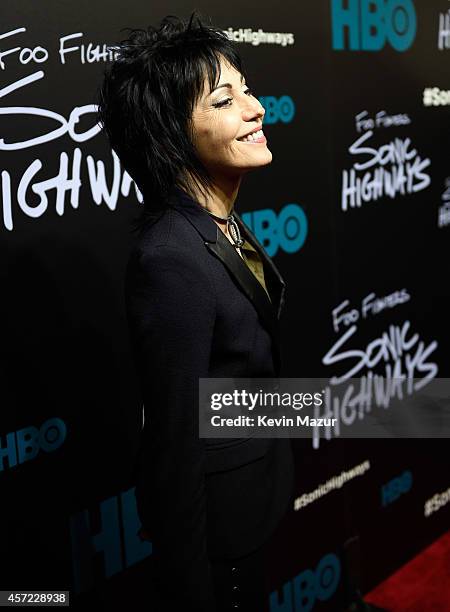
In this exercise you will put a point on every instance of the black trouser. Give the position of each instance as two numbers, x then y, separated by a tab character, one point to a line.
239	584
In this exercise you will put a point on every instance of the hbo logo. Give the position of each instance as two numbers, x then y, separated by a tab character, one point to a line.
24	444
287	231
278	109
370	23
301	593
392	490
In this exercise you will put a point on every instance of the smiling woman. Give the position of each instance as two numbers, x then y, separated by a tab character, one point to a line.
227	128
177	109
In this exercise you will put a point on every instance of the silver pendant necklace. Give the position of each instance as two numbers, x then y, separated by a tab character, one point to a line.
232	226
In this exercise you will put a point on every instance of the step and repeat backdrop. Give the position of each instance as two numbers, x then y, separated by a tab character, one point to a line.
355	212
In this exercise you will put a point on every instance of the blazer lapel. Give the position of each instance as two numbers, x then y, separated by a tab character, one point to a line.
224	250
274	281
219	245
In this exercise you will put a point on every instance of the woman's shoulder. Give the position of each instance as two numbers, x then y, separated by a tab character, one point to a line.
168	229
170	244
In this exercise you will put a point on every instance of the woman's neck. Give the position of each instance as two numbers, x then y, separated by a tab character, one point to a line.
222	198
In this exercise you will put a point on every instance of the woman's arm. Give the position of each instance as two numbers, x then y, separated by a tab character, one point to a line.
171	313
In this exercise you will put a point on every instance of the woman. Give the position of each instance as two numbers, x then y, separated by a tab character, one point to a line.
203	300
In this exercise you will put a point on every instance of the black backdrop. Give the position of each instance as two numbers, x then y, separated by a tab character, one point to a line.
335	77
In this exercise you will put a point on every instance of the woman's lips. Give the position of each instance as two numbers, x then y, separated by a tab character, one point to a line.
261	140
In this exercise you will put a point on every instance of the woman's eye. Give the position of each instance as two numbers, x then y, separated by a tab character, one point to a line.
223	102
228	101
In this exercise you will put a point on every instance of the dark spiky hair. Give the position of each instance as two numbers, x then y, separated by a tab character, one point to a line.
147	97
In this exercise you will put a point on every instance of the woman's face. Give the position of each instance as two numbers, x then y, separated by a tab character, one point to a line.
222	119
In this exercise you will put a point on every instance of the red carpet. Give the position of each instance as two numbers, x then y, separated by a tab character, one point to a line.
421	585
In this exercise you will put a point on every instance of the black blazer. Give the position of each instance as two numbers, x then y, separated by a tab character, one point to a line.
195	310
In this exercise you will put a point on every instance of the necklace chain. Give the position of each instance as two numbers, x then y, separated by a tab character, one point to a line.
232	227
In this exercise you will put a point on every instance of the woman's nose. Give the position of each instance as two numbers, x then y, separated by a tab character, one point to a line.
254	109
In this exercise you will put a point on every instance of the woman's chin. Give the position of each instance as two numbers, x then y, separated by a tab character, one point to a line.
260	158
265	158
